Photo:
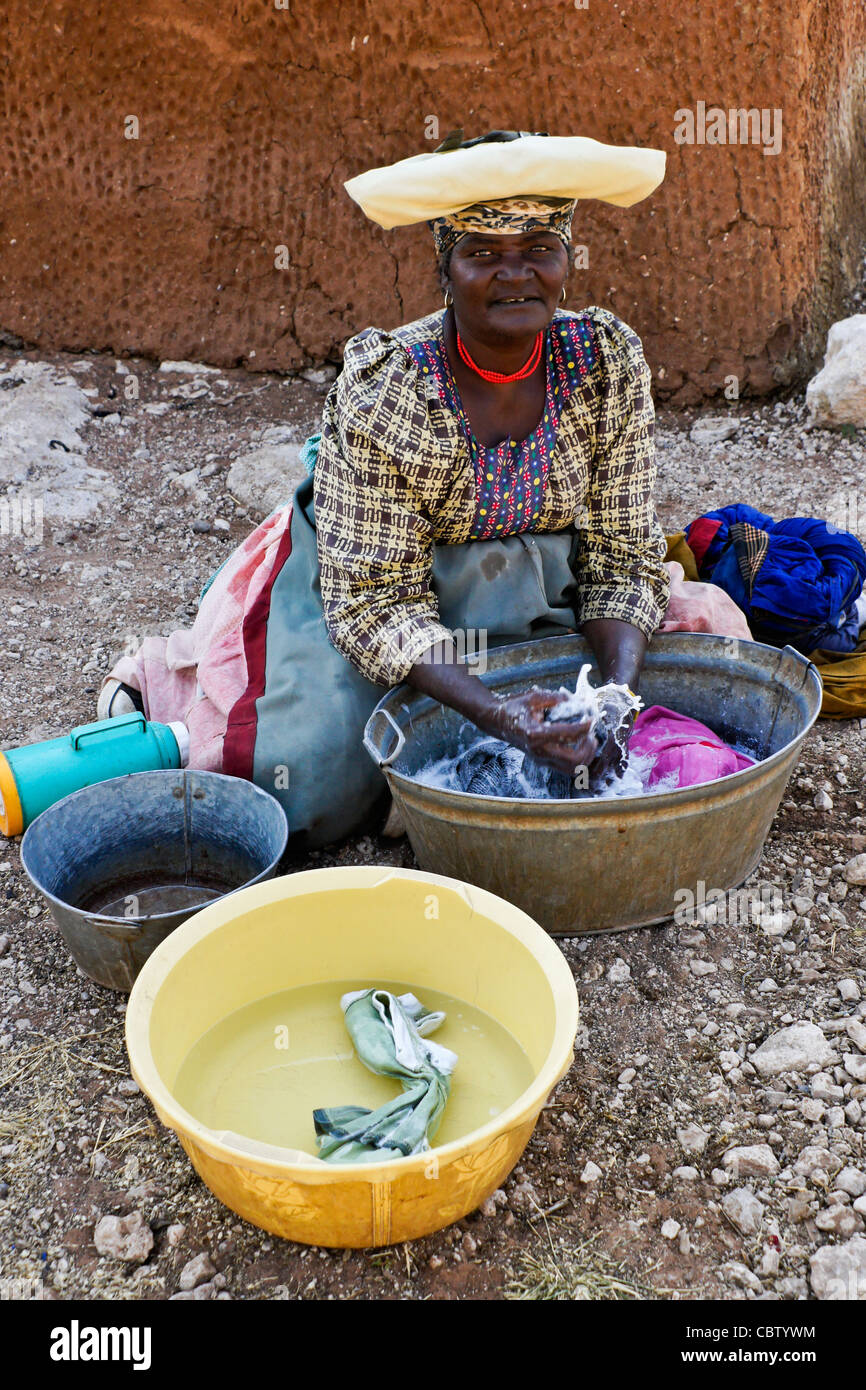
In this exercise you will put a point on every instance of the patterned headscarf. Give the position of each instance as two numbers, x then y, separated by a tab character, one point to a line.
506	216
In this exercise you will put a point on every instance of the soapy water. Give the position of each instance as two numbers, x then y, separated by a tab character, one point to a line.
491	767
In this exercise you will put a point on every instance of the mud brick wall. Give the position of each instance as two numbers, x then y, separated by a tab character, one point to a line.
247	117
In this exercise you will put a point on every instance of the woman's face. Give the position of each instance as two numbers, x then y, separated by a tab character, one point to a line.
506	286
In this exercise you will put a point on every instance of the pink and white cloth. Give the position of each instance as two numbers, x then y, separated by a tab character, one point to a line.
198	674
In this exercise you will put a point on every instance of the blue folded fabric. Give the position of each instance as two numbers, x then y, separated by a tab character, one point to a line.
796	580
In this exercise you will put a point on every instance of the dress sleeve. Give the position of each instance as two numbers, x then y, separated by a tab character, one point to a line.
620	566
374	536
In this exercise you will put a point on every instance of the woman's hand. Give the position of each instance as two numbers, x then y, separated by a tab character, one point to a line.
564	744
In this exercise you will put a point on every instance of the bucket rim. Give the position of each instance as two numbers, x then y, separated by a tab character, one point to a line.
298	1165
152	918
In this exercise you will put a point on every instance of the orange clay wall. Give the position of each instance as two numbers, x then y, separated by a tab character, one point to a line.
171	170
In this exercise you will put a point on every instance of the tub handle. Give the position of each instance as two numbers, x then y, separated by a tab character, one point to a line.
123	721
371	747
789	653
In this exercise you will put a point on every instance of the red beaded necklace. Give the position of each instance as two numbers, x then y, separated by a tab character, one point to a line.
499	377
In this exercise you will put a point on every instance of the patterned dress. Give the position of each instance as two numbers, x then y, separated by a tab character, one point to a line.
510	477
397	472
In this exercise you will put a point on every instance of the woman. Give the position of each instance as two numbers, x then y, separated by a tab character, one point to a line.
490	465
548	423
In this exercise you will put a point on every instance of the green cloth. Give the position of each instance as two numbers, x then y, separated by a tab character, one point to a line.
387	1032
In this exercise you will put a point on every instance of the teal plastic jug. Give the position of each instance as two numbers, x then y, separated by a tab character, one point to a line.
32	778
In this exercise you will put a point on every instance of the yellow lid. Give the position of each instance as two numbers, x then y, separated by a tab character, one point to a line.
11	815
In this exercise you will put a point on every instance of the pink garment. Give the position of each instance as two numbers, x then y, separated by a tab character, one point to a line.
197	674
683	746
701	608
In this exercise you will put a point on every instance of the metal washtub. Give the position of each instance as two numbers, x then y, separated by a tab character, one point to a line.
122	863
605	865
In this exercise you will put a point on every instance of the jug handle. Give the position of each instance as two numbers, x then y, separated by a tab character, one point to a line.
122	721
370	745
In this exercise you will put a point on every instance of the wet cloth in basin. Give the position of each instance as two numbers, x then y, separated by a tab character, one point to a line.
388	1033
683	748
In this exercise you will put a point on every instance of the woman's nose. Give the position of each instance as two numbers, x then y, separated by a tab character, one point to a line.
514	268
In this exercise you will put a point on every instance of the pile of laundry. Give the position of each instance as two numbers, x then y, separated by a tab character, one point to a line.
798	581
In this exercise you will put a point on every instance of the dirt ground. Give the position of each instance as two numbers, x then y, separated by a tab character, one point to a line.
620	1192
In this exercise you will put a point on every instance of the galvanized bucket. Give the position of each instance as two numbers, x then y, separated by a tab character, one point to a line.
124	862
606	865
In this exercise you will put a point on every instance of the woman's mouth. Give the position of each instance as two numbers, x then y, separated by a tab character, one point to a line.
515	299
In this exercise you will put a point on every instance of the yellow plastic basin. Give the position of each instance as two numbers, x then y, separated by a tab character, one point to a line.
369	923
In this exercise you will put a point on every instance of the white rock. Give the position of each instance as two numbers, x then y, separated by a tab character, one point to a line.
266	478
188	480
187	368
196	1271
770	1261
855	1066
813	1160
839	1220
671	1229
126	1238
686	1173
855	870
751	1161
823	1087
838	1272
856	1031
713	429
744	1209
742	1275
776	923
42	461
849	991
852	1181
619	972
860	1205
693	1138
591	1172
792	1049
822	802
837	395
702	967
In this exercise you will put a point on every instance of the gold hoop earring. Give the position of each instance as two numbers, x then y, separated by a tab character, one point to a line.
449	299
563	296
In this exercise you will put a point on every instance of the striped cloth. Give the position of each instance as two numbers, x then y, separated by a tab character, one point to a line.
394	476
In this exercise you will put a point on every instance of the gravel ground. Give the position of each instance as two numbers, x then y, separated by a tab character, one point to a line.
635	1183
